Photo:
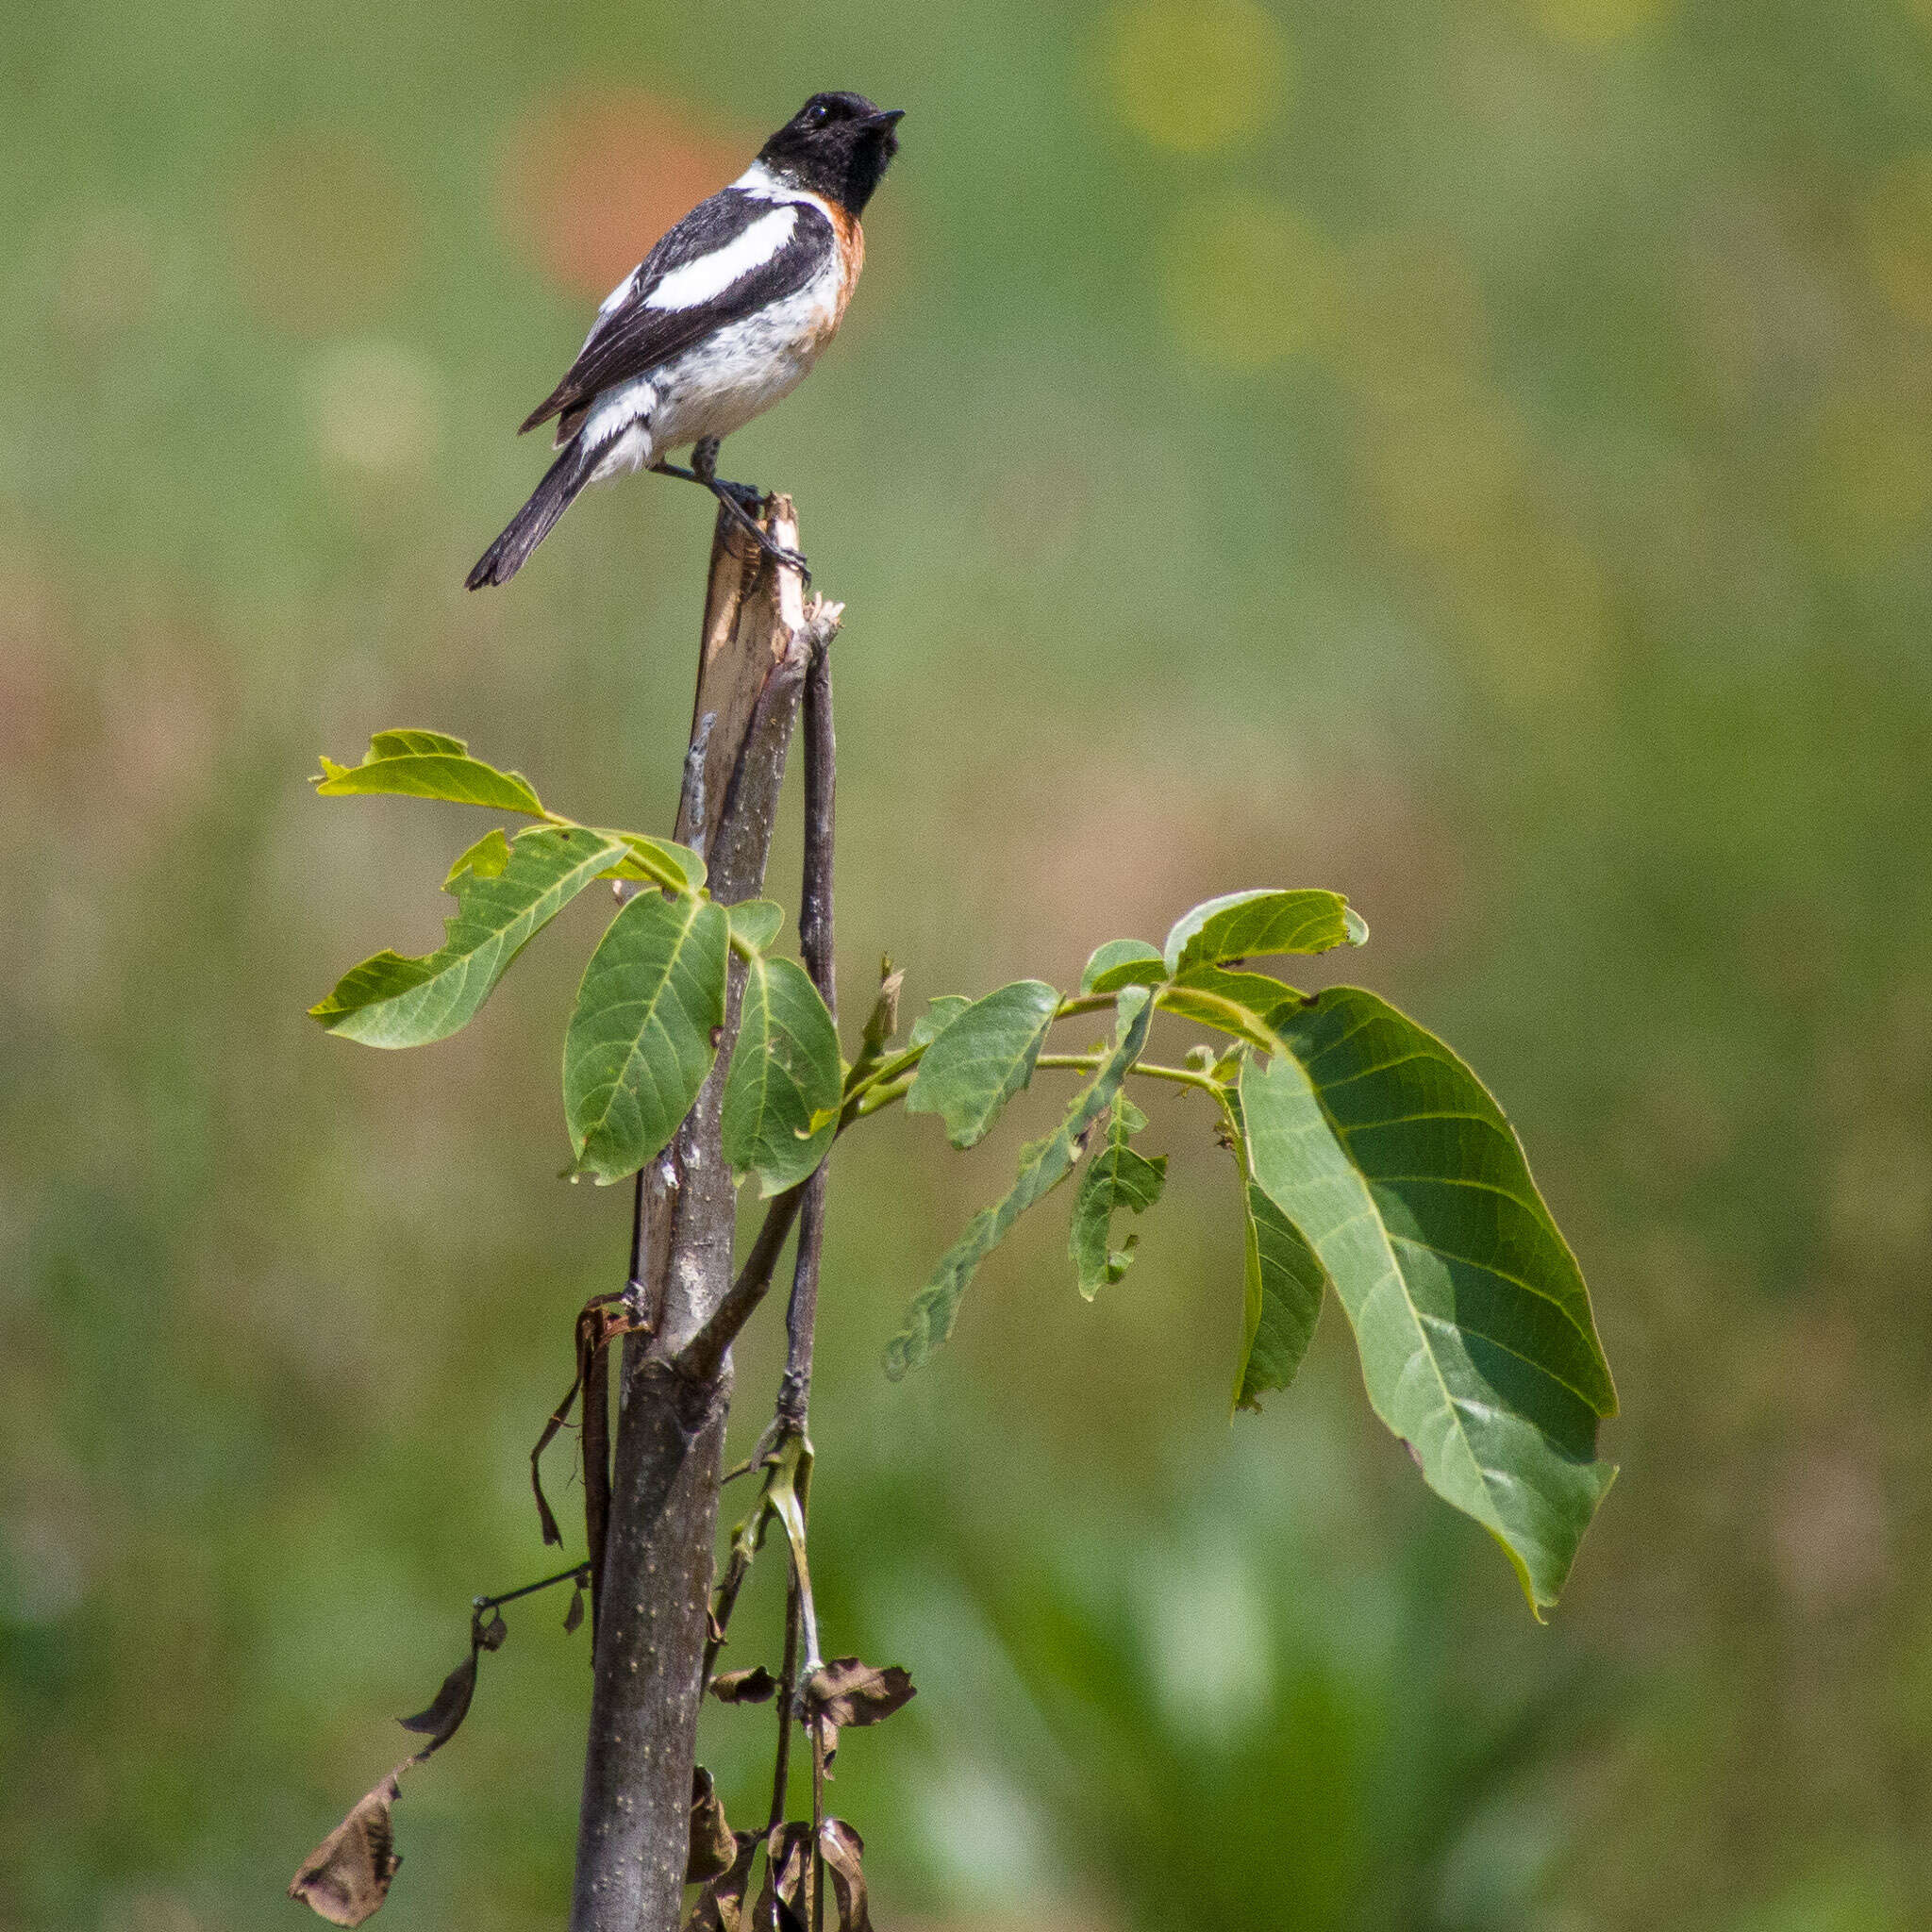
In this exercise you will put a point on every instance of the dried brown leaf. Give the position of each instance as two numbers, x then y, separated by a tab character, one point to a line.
720	1907
713	1846
787	1861
755	1686
846	1691
574	1615
843	1848
490	1635
346	1877
449	1708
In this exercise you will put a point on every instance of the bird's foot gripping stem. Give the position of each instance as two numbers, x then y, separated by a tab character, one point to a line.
741	502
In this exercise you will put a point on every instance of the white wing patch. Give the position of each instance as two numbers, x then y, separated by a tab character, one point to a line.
709	275
618	294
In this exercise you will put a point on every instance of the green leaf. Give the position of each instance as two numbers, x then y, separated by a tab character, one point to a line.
391	1001
1242	1003
755	922
1283	1279
1115	1177
781	1094
1475	1329
1122	962
427	764
660	862
1043	1164
1249	925
642	1037
939	1014
487	858
983	1058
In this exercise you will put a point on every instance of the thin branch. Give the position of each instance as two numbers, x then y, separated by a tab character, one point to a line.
699	1358
580	1572
815	942
1092	1062
787	1697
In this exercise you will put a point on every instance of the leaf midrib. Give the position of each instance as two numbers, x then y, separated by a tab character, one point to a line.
634	1053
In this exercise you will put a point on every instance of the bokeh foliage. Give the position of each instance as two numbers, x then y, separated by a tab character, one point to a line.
1472	454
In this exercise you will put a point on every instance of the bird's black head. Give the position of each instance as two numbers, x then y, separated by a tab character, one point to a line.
837	145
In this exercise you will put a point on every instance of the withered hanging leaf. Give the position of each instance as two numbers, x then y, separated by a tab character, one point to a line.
490	1635
449	1708
846	1691
843	1849
787	1861
574	1615
720	1907
755	1686
713	1846
347	1876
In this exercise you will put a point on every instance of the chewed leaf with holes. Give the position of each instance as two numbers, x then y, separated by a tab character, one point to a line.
428	764
1043	1165
1477	1340
1116	1177
641	1037
505	895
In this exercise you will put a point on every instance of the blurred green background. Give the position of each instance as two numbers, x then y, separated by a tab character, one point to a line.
1474	456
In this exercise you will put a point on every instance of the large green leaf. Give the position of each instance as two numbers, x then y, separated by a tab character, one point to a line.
641	1037
784	1076
1475	1329
506	893
1115	1177
983	1058
428	764
1043	1165
1283	1279
1250	926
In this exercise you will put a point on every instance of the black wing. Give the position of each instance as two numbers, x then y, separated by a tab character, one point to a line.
630	337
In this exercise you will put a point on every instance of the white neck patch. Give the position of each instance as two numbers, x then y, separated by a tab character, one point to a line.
709	275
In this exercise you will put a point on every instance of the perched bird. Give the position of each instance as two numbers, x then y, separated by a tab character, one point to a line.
723	318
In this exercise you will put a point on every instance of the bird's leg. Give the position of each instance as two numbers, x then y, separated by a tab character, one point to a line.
739	501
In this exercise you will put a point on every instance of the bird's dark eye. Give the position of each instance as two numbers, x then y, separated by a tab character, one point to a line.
817	116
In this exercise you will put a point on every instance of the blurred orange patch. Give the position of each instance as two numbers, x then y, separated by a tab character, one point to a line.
590	178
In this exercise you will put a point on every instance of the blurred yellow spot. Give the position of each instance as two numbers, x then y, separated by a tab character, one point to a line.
1897	233
1870	478
1594	21
1455	478
1193	77
1246	281
374	406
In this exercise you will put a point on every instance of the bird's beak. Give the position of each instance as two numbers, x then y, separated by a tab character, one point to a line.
889	116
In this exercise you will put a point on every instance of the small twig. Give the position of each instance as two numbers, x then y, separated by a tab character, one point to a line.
698	1360
815	942
817	1826
579	1572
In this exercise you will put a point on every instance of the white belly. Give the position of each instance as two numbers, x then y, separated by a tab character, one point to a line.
717	386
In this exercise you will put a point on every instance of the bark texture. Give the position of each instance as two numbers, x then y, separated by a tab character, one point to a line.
661	1517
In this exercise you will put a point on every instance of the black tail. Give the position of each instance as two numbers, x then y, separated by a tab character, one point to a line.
537	519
